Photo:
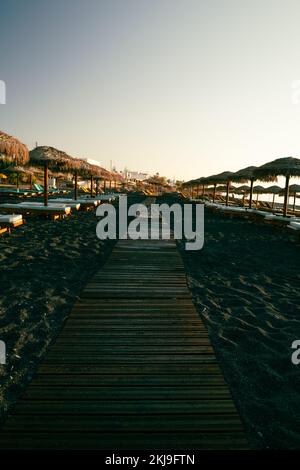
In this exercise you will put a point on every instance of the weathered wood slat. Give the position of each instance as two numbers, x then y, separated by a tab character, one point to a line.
128	380
133	367
223	439
112	423
127	393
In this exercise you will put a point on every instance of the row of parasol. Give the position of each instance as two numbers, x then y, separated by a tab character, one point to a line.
15	157
288	167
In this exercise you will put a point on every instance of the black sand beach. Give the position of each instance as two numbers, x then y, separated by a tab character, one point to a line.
44	266
245	283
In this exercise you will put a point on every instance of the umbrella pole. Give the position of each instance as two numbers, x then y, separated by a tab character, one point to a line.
45	183
30	182
17	180
214	195
75	188
109	184
97	186
104	186
256	200
227	192
286	195
251	194
91	185
273	203
294	205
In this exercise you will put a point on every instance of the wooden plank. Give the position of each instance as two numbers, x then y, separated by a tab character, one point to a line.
127	380
149	423
219	440
124	407
127	393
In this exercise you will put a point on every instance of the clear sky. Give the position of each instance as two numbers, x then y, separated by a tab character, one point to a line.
187	88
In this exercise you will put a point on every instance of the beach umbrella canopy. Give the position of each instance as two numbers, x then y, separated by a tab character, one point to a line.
224	177
54	159
12	150
18	170
224	187
273	190
258	189
293	189
86	170
243	175
90	171
243	189
288	167
248	174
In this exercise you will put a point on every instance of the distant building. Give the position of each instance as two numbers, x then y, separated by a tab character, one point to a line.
91	161
135	175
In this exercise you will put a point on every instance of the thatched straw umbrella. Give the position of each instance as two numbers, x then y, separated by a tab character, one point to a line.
287	167
248	174
18	170
200	182
245	188
273	190
293	189
89	171
223	188
106	176
50	157
113	179
242	191
258	190
244	175
12	151
224	177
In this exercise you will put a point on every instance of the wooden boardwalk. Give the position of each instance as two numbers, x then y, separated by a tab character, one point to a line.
133	367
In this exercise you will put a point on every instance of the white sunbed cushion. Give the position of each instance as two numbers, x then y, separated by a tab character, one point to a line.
40	207
51	204
277	217
295	225
10	218
75	201
234	209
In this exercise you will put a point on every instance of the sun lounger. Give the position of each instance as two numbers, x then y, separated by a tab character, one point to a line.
103	197
278	220
18	193
294	225
257	212
11	220
85	203
52	211
40	188
4	230
74	205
